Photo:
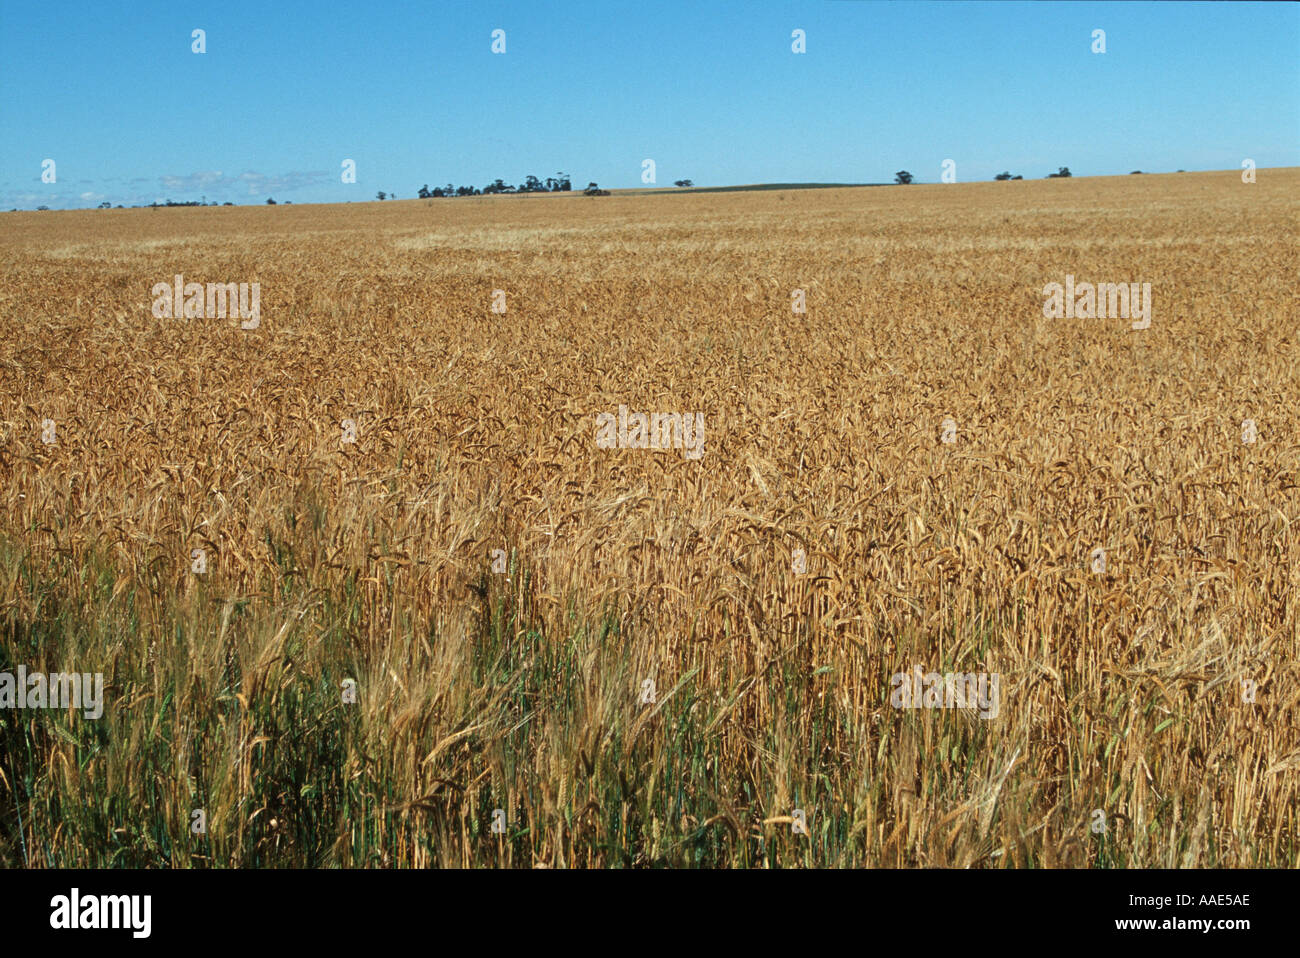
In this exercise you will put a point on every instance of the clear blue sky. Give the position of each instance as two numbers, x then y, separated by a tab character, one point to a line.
711	91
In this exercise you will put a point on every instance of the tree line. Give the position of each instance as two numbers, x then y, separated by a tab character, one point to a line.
902	177
559	183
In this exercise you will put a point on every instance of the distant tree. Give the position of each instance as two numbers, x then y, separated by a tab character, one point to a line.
532	185
227	203
1135	173
1017	177
594	190
41	208
424	193
270	202
382	196
683	183
1003	176
902	177
562	184
106	205
1061	173
1182	171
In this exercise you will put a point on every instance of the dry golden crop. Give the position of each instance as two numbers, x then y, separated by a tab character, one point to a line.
827	539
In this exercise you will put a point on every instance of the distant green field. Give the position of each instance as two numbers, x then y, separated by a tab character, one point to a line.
751	188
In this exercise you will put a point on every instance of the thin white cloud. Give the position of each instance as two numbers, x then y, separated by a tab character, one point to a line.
214	184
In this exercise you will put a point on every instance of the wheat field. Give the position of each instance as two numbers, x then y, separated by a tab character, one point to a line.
668	656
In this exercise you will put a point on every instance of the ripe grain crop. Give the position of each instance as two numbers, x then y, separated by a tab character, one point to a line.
828	538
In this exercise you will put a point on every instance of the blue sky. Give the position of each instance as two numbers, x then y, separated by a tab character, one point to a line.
710	91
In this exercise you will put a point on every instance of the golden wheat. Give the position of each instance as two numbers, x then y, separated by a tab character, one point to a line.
828	538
